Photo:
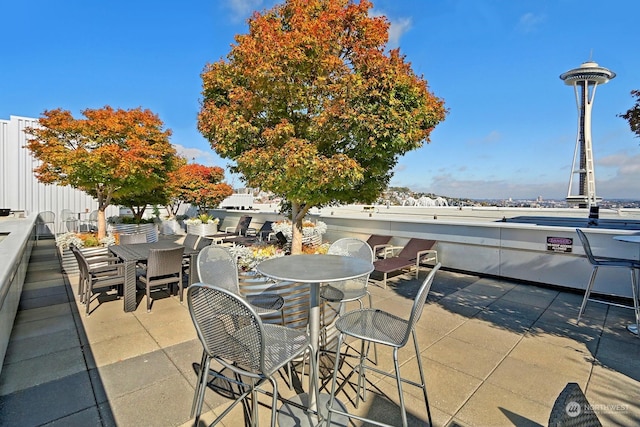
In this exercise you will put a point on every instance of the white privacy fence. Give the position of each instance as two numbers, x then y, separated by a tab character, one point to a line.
19	188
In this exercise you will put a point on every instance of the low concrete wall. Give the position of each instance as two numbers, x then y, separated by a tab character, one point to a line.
15	251
506	250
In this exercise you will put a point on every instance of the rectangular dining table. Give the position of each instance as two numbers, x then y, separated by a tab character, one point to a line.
132	254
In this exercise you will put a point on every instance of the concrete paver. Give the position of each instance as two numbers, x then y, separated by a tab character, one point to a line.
495	353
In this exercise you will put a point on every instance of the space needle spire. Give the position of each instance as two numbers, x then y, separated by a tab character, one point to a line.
584	79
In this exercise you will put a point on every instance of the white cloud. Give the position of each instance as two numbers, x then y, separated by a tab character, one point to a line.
397	29
529	22
206	158
242	9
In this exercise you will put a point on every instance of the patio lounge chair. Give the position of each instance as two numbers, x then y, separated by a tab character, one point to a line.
239	230
378	242
415	252
252	235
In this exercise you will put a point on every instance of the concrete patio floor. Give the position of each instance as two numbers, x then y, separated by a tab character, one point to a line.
495	353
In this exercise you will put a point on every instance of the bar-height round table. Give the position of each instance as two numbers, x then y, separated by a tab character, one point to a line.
312	269
630	238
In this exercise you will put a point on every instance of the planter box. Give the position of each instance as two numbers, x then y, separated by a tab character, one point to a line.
171	227
149	229
68	260
202	229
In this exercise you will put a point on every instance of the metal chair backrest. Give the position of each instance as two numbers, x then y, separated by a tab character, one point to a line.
353	247
46	217
228	327
586	246
127	239
93	216
418	303
216	266
163	262
413	246
67	215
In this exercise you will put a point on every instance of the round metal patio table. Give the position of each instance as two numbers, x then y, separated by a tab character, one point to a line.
312	269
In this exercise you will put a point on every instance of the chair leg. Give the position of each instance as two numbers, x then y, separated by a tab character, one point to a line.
274	402
334	382
422	380
148	298
399	382
201	387
87	298
587	292
634	291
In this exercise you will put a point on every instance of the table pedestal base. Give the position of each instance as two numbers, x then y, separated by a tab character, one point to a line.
292	416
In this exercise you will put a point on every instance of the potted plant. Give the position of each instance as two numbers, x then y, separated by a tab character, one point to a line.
202	225
131	225
311	231
88	243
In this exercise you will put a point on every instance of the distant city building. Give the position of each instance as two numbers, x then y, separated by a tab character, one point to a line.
584	80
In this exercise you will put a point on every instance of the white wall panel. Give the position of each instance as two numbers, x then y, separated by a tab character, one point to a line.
20	189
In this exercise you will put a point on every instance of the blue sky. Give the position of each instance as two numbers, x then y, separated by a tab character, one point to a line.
512	124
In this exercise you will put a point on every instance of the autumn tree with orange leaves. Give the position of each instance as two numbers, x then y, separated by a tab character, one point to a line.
199	185
311	106
110	154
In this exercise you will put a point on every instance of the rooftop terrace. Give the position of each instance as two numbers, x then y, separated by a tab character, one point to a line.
495	353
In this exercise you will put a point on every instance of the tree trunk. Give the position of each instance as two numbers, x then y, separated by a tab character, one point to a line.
102	223
298	213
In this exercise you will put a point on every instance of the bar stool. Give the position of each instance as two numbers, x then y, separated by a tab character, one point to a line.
599	261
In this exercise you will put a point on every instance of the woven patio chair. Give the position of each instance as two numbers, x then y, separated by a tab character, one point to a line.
378	326
97	277
233	334
572	409
164	268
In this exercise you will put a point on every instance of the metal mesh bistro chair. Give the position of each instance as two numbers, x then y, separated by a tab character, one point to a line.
232	333
572	409
96	278
348	290
127	239
68	221
371	325
217	267
164	268
599	261
44	218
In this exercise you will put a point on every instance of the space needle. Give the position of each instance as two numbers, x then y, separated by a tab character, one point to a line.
584	80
